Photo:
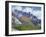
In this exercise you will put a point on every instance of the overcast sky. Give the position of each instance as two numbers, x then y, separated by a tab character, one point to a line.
34	10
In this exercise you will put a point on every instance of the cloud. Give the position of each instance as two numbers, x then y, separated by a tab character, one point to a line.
37	14
27	10
17	8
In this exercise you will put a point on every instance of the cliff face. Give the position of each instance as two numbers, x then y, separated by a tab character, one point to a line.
15	21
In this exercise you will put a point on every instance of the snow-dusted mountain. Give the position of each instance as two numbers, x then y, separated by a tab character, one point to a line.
36	11
19	14
32	13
